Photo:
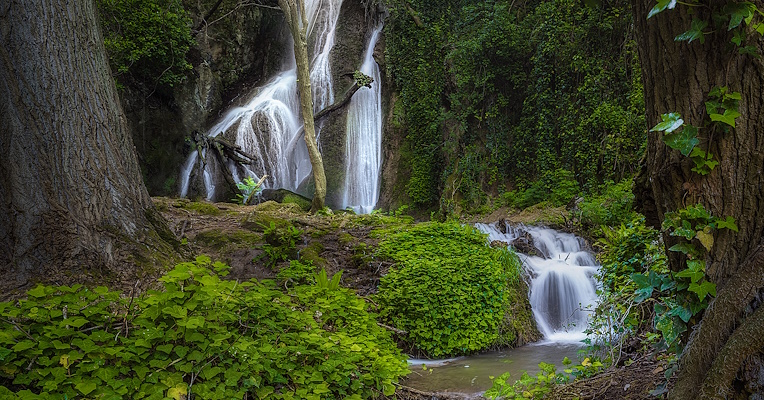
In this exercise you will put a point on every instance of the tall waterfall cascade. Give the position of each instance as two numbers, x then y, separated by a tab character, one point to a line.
562	285
364	138
269	125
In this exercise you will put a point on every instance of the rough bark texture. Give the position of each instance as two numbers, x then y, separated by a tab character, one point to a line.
677	76
298	25
72	203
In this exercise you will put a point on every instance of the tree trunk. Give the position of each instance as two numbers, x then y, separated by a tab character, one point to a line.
298	25
73	206
677	77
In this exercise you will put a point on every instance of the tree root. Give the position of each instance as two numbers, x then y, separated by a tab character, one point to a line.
718	327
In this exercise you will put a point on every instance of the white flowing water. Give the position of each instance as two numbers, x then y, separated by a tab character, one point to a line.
563	291
268	126
364	139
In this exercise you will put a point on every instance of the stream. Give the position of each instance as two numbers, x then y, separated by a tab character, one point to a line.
562	293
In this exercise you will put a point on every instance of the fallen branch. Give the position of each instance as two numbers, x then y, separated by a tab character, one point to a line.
390	328
361	80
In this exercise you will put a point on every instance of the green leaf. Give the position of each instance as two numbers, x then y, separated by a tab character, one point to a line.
706	239
694	276
662	5
703	289
684	141
738	12
38	291
728	223
23	345
695	32
728	117
671	121
85	387
686	248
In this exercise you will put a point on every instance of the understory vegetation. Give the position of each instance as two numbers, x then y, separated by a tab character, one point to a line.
200	335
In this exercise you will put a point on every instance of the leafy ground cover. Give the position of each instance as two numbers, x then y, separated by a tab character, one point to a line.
198	334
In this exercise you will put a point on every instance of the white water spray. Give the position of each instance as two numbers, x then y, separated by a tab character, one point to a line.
364	138
562	289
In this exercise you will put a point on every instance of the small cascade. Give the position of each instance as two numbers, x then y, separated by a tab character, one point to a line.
364	138
562	287
268	126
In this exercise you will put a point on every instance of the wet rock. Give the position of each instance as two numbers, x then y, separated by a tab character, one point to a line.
524	244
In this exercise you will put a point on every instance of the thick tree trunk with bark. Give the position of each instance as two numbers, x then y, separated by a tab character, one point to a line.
677	77
294	14
72	202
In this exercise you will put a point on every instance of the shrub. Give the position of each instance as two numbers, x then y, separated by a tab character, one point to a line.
448	289
201	336
612	207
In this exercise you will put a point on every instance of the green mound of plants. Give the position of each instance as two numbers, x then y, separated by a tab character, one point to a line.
448	289
199	336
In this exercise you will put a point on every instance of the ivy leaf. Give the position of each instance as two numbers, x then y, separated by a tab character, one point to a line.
684	141
728	117
686	248
703	289
683	313
662	5
695	32
670	122
706	239
728	223
694	276
178	392
750	50
86	387
738	12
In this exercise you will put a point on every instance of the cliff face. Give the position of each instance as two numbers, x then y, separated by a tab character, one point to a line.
234	53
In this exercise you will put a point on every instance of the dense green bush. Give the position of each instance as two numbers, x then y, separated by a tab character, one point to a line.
147	40
449	290
200	335
557	188
611	207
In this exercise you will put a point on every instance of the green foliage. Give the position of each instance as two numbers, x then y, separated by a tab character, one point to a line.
635	274
448	289
627	249
537	387
280	243
248	188
611	207
200	336
499	94
147	40
556	187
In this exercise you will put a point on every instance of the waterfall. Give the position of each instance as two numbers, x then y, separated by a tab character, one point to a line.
364	138
268	126
562	287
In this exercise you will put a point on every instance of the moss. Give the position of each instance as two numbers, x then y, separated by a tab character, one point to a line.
345	238
227	240
311	254
200	207
541	214
519	325
298	200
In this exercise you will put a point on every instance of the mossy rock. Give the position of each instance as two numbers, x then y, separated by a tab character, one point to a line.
199	207
312	254
226	240
287	197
